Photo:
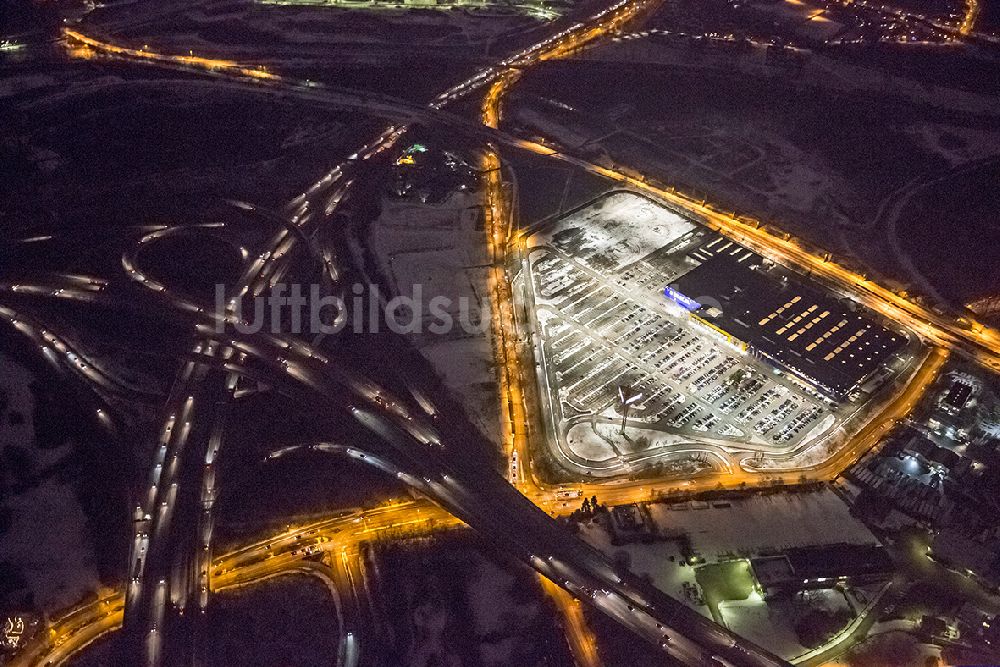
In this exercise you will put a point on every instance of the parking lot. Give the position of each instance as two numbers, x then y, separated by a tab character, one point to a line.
600	332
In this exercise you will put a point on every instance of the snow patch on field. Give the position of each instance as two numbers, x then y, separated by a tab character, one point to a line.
604	441
585	443
466	366
438	249
670	576
618	230
763	524
723	530
955	144
47	540
755	621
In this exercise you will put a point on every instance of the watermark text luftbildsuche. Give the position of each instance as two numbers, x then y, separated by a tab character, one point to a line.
296	308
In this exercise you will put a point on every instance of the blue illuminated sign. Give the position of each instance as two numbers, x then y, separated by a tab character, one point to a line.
680	299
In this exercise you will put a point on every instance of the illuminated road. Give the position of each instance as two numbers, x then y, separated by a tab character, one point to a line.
59	351
970	338
516	363
582	641
284	553
456	482
964	27
173	522
869	435
443	493
211	64
270	348
455	477
982	343
514	419
246	566
171	547
969	18
975	339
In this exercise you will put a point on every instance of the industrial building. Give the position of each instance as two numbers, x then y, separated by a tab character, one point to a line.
821	567
737	295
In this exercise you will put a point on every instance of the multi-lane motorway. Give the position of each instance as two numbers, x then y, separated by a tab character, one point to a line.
169	567
961	334
279	554
172	537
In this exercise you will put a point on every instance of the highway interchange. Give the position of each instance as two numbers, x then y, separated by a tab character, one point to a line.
172	568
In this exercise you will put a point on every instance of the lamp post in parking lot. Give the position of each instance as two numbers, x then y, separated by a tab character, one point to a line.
628	396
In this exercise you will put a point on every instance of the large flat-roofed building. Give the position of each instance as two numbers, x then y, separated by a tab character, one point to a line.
833	344
821	567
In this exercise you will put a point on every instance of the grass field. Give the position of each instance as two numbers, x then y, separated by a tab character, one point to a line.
729	580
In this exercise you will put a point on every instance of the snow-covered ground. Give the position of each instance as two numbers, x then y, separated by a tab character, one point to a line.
495	612
818	70
762	524
745	527
48	540
454	603
721	530
438	248
601	441
47	537
308	27
622	228
14	85
754	619
955	144
670	576
742	528
584	442
466	366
